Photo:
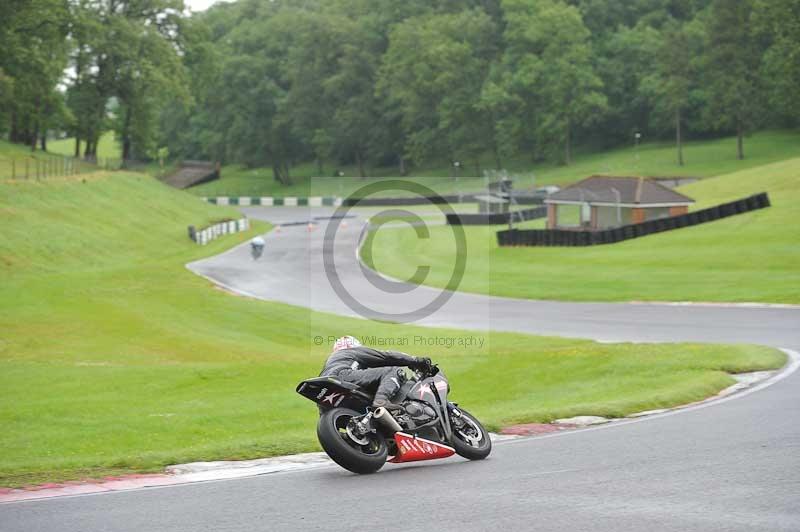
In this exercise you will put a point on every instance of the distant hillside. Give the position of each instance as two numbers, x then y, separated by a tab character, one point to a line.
702	158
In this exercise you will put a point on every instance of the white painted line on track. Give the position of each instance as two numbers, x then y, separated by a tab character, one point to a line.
720	304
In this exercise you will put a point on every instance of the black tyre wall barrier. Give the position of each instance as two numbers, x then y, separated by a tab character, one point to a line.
496	218
418	200
411	200
561	237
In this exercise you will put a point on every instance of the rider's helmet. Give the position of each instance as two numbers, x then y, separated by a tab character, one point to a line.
346	342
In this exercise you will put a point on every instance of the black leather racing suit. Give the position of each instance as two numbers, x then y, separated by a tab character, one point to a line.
375	371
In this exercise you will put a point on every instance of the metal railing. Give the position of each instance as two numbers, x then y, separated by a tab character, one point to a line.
43	165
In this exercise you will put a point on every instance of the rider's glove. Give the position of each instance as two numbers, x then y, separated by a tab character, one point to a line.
422	363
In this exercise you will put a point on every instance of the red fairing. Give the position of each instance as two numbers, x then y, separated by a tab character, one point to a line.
411	449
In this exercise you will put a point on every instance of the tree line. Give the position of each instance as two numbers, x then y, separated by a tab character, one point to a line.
395	82
87	66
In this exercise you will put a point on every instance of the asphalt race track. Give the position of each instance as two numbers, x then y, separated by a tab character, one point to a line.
733	465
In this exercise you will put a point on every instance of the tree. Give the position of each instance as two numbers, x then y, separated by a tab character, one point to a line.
606	17
32	34
433	73
674	77
185	124
128	53
6	99
548	57
312	55
256	117
147	67
776	22
624	59
501	107
733	62
366	124
350	92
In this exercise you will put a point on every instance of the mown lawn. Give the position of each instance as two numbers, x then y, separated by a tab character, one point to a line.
114	358
703	159
751	257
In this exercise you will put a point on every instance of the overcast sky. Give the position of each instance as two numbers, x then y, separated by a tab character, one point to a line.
199	5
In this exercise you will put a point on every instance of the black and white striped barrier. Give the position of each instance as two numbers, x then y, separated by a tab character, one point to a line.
269	201
207	234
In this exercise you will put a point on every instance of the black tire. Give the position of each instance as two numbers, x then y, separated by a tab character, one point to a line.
472	441
361	459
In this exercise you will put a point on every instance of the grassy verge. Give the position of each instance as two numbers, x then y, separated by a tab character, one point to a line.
751	257
114	358
703	159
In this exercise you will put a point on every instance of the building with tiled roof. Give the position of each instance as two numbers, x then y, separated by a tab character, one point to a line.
602	202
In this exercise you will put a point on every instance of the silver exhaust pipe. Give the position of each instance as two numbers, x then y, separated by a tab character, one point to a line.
386	419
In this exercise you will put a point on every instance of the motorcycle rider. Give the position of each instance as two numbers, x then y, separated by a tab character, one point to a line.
379	372
257	247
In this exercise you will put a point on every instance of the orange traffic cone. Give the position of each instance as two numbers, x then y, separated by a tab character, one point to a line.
310	227
344	224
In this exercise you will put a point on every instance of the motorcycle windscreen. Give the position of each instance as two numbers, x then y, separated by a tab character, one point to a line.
422	390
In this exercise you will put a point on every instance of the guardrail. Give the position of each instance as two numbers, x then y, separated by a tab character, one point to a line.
560	237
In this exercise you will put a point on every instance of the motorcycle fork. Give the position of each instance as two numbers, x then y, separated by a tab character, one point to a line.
444	415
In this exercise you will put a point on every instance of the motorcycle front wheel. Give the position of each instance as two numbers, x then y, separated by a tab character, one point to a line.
363	456
470	439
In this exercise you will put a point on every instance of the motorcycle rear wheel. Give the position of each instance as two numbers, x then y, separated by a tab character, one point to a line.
351	455
471	440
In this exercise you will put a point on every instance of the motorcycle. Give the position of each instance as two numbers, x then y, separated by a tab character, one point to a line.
362	439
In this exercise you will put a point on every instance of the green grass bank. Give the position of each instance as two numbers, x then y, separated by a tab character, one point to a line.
114	358
703	158
750	257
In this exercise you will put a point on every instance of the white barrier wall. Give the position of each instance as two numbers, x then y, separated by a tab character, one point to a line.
207	234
